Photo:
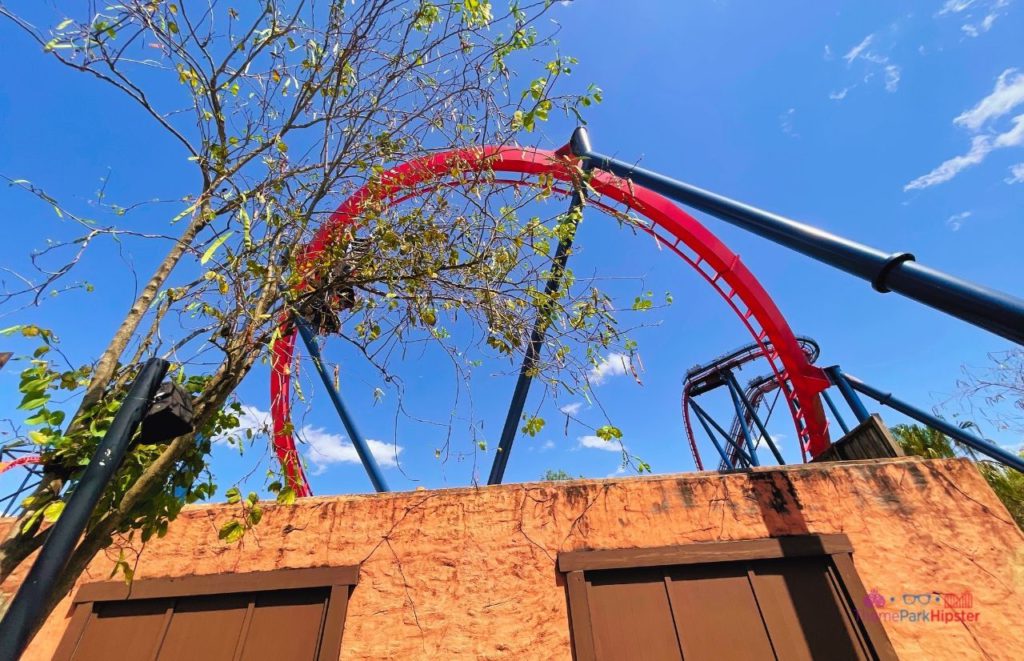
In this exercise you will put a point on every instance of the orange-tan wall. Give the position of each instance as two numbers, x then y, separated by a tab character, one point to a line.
470	573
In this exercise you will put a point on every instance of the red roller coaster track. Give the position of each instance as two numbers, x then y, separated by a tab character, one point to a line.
672	227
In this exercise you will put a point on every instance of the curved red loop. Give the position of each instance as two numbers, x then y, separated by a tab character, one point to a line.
20	461
675	229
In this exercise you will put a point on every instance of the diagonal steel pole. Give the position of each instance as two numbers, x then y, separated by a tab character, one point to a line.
756	418
995	311
731	385
740	452
522	389
358	442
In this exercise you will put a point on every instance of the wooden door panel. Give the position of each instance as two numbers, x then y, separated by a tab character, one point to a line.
204	628
123	630
801	611
286	625
630	616
716	614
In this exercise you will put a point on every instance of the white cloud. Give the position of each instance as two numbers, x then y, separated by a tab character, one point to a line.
840	95
548	445
955	6
828	52
614	364
621	470
251	422
598	443
1016	174
892	77
325	448
981	147
861	52
786	120
855	52
974	27
1007	95
320	447
1004	98
572	409
956	221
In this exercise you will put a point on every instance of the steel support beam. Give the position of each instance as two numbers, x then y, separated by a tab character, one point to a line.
711	435
757	420
708	419
976	443
731	385
522	389
835	411
839	380
358	442
995	311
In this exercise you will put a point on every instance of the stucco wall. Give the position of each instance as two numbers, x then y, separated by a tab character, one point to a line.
470	573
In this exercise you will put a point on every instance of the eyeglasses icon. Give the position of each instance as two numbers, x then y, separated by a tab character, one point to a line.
923	599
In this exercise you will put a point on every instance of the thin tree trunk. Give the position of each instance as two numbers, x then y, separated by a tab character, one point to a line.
107	363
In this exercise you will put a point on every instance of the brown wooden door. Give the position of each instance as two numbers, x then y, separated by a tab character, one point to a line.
786	609
271	626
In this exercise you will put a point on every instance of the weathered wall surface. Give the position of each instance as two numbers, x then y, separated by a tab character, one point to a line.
470	573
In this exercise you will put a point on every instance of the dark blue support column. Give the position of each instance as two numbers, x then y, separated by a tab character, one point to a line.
986	308
835	411
515	409
731	385
728	439
757	420
362	449
976	443
711	435
837	377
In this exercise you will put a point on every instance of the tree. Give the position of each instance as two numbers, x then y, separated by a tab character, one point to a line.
995	392
555	475
1007	483
281	109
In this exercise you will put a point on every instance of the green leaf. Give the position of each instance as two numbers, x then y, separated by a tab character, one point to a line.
231	532
533	426
213	247
286	496
52	511
33	401
38	437
234	496
31	521
38	418
64	24
608	433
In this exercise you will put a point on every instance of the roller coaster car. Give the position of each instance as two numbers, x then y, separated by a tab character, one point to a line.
334	290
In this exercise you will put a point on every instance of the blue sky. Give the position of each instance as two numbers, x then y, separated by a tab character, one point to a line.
898	124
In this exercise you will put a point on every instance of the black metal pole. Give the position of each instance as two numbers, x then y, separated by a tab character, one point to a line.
970	440
28	606
995	311
515	408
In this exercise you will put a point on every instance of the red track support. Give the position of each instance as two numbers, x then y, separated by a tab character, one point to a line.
677	230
